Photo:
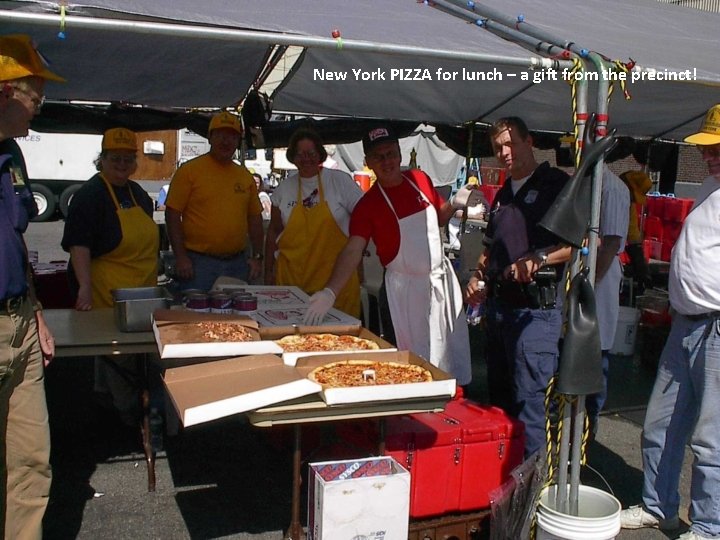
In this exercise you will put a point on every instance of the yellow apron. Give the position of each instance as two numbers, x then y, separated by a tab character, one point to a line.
307	249
133	263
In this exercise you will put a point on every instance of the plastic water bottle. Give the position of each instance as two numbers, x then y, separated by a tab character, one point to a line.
475	312
156	430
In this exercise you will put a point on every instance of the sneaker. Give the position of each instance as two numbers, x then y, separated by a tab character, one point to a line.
636	517
690	535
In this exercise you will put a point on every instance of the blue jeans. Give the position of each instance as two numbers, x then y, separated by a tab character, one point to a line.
522	357
685	405
207	269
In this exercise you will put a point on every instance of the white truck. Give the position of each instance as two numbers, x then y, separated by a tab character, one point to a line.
59	163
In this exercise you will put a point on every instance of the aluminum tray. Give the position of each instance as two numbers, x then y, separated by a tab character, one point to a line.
134	307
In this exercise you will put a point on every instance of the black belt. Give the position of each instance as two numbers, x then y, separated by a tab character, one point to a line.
703	316
12	304
522	295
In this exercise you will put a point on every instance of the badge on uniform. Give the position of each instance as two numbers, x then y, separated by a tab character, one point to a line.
531	196
16	175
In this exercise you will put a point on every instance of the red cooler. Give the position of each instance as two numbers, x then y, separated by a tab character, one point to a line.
455	457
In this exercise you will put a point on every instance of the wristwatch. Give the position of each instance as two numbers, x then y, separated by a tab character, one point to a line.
543	256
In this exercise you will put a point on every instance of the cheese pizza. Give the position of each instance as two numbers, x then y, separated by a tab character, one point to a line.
368	373
216	331
325	342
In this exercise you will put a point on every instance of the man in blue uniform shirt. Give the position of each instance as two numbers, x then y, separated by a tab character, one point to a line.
24	337
520	266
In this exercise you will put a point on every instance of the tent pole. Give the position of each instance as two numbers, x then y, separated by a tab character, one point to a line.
273	38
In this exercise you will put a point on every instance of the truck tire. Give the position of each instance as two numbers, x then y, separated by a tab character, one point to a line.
65	198
45	201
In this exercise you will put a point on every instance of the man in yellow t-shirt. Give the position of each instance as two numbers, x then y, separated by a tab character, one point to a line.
211	208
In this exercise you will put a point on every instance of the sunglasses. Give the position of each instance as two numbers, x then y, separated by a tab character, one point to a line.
36	100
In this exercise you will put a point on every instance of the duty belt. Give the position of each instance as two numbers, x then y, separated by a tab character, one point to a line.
12	304
522	295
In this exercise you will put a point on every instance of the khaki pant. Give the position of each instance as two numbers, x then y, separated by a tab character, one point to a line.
25	445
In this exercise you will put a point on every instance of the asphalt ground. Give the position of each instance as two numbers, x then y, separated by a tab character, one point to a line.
227	479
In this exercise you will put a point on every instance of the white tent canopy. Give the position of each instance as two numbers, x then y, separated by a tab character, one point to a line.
144	56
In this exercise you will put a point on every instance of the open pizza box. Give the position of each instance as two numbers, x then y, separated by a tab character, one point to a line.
205	392
291	358
442	384
177	335
269	296
295	315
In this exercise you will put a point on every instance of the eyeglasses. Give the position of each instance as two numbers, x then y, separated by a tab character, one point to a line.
392	154
307	155
36	100
127	160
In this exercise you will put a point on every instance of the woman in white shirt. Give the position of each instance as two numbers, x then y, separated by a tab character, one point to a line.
309	223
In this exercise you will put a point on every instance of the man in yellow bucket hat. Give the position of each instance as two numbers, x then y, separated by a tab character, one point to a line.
685	400
24	337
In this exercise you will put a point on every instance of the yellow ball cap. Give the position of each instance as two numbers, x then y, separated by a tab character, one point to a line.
709	133
225	120
119	139
19	58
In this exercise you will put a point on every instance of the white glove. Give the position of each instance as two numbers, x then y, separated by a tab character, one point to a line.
468	195
320	304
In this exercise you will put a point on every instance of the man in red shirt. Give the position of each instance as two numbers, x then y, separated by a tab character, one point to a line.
402	213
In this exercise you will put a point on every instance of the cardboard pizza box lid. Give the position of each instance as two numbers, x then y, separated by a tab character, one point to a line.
291	358
208	391
176	336
442	384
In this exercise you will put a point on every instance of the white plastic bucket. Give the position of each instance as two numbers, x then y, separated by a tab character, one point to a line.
598	517
626	331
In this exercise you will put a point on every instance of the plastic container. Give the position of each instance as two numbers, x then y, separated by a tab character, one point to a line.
134	307
598	517
362	179
626	331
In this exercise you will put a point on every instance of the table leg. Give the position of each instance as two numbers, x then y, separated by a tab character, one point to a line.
381	436
295	531
147	442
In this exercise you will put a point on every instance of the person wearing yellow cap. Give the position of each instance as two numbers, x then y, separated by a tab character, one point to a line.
685	400
211	209
25	340
113	244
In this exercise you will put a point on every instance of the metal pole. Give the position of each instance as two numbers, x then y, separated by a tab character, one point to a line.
578	428
564	454
271	38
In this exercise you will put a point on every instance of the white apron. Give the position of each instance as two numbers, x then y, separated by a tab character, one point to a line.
424	295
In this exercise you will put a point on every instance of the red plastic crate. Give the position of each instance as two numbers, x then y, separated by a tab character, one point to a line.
490	190
677	209
656	205
455	457
671	231
666	250
653	228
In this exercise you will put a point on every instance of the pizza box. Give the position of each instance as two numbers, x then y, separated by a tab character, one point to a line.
205	392
177	338
269	296
291	358
442	384
295	315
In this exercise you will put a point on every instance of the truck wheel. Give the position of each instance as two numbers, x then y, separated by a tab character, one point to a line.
65	198
45	201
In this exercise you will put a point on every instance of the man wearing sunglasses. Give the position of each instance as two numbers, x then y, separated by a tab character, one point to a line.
402	213
685	400
25	340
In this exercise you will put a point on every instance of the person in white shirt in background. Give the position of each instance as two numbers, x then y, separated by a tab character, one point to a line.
685	400
614	218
